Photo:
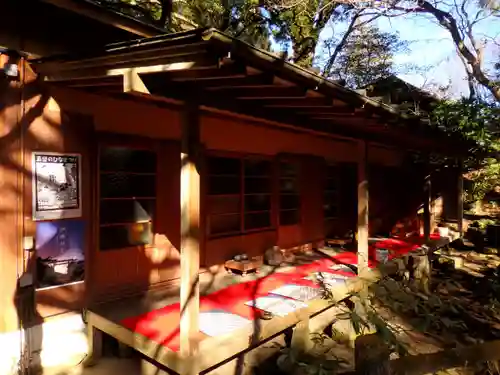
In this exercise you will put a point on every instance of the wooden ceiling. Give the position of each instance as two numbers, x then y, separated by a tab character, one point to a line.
220	72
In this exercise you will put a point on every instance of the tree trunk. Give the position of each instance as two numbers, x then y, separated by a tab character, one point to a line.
371	355
166	13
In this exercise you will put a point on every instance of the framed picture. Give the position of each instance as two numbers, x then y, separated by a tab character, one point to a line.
60	252
57	186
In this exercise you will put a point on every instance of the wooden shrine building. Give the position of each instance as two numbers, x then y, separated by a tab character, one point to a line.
166	156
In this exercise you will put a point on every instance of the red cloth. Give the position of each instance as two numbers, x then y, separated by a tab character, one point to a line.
162	325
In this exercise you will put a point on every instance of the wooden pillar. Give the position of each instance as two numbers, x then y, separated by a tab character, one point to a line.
94	340
460	196
426	201
427	207
363	200
11	198
190	230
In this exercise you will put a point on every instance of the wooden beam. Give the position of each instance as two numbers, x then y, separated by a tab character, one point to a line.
261	92
129	56
154	66
363	203
132	82
327	110
330	116
211	72
190	230
96	85
230	82
299	103
160	68
111	81
460	203
427	207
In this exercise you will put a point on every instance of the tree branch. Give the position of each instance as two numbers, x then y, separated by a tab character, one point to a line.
447	21
341	44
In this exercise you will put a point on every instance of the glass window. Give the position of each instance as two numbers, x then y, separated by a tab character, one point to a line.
239	194
331	193
289	194
127	204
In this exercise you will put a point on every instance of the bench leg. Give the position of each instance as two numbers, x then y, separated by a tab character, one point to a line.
94	338
124	351
188	367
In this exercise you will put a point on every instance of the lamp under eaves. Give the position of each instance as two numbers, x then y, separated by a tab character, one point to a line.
11	68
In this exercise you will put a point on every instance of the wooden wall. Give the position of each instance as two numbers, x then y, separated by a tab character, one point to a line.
71	121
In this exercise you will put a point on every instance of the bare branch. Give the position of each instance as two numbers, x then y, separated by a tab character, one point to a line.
341	44
449	23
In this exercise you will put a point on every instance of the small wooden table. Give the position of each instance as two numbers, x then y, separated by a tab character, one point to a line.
339	242
244	266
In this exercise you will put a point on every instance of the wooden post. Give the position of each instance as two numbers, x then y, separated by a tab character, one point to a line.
190	230
11	201
371	356
427	208
94	339
460	202
132	82
363	200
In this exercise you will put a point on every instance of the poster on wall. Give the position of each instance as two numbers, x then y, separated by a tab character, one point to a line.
60	252
56	186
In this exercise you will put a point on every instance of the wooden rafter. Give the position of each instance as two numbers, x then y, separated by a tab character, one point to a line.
241	81
262	91
327	110
302	102
211	72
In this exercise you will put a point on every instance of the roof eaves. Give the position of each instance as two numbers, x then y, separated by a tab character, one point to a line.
312	79
183	37
395	79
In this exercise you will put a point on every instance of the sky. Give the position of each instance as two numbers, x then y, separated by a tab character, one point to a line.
430	49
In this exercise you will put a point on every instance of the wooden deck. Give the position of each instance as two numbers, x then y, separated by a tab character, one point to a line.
108	318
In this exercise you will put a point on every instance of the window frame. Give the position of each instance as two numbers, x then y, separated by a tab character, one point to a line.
109	140
241	157
328	167
297	178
